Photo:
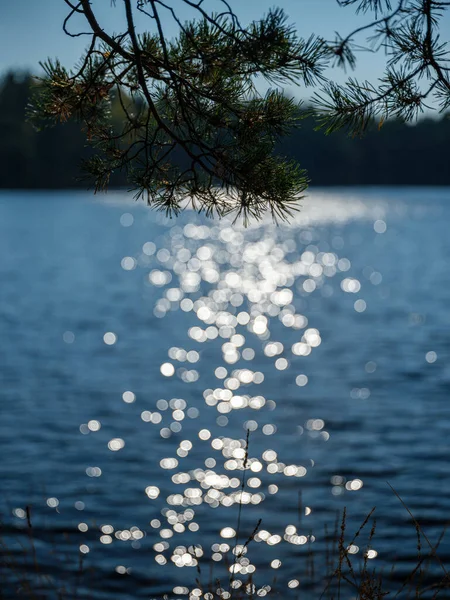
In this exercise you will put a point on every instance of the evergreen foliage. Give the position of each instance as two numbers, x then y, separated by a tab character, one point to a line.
417	66
195	98
193	123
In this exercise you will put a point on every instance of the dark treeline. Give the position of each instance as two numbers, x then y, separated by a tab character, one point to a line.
397	154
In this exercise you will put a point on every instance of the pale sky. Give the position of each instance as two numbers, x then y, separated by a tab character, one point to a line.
31	30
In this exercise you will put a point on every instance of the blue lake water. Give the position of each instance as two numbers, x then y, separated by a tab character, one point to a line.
136	352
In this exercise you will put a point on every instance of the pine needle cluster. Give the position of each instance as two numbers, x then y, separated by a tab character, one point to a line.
417	75
193	124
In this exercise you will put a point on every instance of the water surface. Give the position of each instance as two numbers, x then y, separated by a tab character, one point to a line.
136	352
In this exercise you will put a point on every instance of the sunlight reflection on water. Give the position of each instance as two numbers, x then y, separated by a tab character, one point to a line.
237	282
241	324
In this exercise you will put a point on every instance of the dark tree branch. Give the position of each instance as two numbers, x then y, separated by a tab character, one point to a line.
192	121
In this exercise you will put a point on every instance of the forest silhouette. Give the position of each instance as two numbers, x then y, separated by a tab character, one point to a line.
394	154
